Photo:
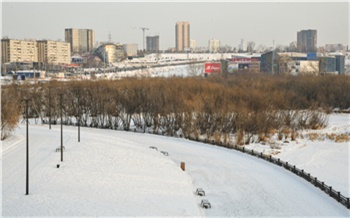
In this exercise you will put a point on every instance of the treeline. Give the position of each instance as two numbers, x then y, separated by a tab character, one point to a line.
236	110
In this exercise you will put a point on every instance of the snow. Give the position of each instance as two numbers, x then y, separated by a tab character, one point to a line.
324	158
115	173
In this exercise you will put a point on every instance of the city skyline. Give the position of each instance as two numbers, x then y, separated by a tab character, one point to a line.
264	23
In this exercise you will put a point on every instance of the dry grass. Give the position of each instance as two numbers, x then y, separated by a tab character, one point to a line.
342	138
275	152
316	137
331	136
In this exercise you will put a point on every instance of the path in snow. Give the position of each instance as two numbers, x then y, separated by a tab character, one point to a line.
115	173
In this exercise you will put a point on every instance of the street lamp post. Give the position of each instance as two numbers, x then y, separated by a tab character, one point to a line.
78	120
27	149
61	129
49	109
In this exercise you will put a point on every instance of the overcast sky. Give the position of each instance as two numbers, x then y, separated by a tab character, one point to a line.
261	22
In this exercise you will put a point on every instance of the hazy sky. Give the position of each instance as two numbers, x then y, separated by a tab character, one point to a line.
229	22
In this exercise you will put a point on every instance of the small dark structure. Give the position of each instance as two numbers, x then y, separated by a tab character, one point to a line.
200	192
205	204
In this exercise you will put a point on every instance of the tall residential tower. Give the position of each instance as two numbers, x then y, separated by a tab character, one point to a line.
182	36
307	41
152	43
81	40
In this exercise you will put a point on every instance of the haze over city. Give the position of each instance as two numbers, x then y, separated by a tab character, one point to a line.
229	22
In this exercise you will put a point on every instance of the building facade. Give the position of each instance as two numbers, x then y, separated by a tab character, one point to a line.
53	52
193	44
213	45
152	43
110	53
130	49
327	65
340	64
307	41
182	36
18	51
243	45
81	40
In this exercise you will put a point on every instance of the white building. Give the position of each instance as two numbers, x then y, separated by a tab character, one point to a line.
213	45
130	49
243	45
303	67
193	44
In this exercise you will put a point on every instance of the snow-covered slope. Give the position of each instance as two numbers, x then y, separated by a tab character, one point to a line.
319	152
115	173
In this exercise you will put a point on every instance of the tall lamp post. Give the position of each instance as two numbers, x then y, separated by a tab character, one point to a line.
49	108
79	118
27	149
61	129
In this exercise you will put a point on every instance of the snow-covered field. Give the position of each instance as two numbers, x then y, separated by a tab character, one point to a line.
115	173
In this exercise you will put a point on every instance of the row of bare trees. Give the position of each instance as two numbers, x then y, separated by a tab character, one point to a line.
215	108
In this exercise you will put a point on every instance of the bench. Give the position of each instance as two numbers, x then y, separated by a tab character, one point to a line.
205	204
200	192
59	149
153	147
165	153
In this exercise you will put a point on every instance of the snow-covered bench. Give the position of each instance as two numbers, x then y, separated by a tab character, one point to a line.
205	204
165	153
200	192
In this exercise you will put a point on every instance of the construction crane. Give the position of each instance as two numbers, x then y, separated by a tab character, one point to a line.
143	30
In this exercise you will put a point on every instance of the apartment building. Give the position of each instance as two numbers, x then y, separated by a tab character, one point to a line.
213	45
13	50
152	43
182	36
53	52
307	41
81	40
130	49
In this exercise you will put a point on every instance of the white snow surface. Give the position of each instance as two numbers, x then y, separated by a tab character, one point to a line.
115	173
323	158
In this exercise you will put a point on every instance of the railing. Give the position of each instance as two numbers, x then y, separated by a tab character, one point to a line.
292	168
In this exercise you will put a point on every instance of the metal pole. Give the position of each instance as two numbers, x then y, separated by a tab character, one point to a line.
79	130
61	130
78	120
49	108
27	143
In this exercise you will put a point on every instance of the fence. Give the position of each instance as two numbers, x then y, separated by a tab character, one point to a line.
292	168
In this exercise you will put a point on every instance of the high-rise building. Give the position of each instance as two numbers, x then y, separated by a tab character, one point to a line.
182	36
152	43
81	40
213	45
307	41
13	50
53	52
